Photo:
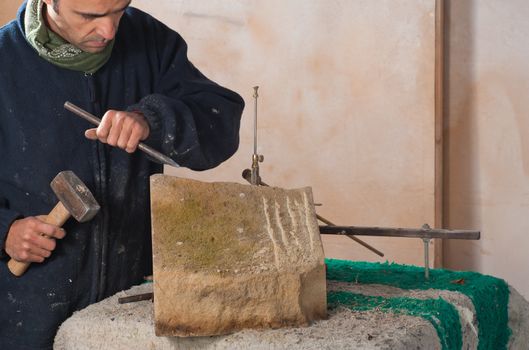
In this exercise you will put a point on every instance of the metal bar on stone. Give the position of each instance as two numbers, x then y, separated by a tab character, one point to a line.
357	240
400	232
135	298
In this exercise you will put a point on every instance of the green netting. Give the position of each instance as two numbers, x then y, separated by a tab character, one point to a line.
441	314
489	295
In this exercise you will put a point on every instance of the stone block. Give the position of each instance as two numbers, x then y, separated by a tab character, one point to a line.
229	257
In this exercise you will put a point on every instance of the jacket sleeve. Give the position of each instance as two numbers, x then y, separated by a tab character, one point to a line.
193	120
7	217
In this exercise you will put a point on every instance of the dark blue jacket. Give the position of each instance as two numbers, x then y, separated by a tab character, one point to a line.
192	119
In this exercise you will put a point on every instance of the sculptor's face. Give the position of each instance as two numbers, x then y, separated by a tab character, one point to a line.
87	24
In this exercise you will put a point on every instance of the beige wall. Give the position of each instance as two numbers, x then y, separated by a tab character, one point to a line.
8	9
487	168
346	106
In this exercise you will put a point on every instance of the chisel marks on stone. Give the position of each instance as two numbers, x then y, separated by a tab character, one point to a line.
270	231
309	209
292	212
279	223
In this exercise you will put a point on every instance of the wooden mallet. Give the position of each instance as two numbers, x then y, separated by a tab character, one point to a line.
75	199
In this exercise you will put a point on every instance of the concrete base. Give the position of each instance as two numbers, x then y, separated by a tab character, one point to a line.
109	325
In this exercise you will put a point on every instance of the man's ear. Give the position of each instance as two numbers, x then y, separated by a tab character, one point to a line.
51	6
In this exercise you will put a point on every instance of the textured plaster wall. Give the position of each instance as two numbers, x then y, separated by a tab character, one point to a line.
487	125
346	103
8	9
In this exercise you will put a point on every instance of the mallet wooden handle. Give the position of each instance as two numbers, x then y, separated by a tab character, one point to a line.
57	217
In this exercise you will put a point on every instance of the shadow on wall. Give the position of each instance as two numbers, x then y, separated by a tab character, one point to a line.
461	178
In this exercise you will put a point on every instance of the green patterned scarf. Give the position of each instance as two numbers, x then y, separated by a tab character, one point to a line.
55	49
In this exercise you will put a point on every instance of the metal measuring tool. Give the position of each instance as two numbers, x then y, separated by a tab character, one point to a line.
255	179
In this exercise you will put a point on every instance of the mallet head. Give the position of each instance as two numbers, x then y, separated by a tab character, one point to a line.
75	196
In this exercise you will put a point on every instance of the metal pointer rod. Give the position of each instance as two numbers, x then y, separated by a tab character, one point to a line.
401	232
143	147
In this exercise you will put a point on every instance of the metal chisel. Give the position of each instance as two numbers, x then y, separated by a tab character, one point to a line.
143	147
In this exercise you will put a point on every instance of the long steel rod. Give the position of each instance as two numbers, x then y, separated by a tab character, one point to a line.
400	232
143	147
357	240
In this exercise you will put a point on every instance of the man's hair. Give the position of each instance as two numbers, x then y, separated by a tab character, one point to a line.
55	5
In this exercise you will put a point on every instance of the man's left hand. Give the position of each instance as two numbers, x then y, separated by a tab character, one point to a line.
121	129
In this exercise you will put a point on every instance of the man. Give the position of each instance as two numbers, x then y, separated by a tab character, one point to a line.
118	62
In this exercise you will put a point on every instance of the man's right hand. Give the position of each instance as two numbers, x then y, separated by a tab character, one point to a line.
31	239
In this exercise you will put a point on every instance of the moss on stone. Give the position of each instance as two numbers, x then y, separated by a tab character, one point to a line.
202	231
